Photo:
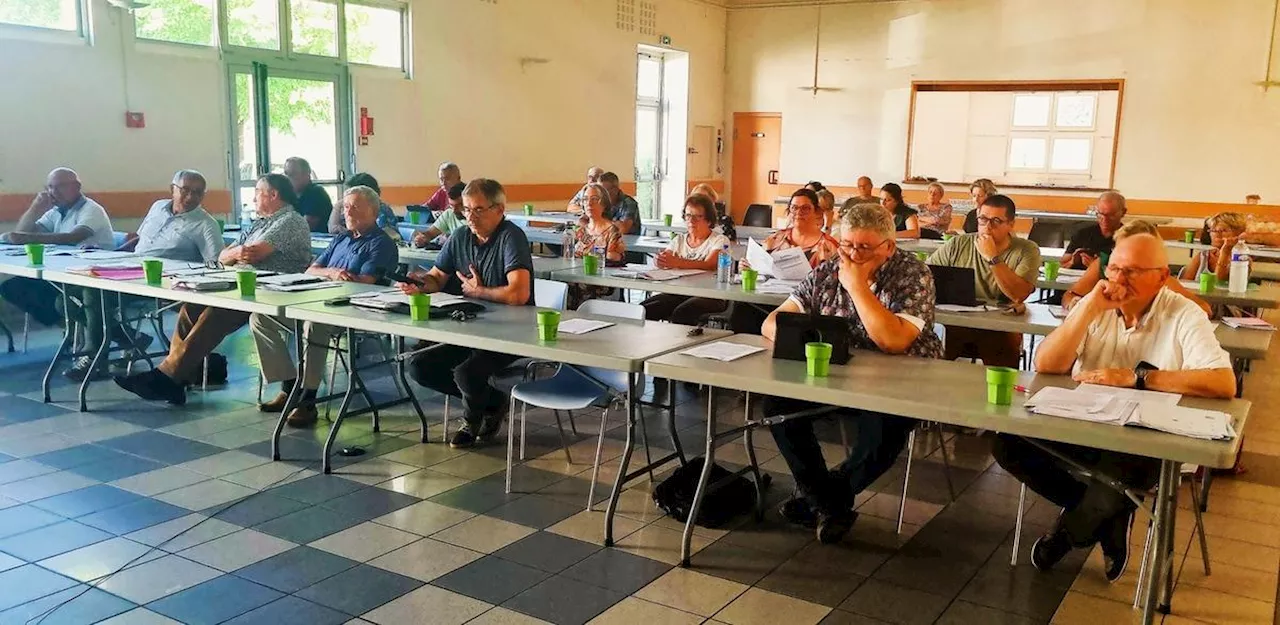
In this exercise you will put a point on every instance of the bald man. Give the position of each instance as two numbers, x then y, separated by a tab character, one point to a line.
449	175
1130	331
61	215
866	191
593	176
1090	242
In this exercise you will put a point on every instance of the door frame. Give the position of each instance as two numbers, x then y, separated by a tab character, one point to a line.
733	154
659	106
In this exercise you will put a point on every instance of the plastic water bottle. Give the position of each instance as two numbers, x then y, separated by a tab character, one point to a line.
598	251
1239	281
568	242
724	266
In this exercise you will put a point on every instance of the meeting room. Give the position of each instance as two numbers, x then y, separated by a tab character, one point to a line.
736	312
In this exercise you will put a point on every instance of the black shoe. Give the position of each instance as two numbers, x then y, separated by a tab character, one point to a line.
80	368
276	404
462	439
1048	550
833	526
489	427
154	385
797	511
139	384
1115	545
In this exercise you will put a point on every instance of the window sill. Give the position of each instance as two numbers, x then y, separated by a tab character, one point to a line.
171	48
42	35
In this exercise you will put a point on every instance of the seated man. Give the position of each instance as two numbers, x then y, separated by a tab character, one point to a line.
888	297
386	216
1090	242
593	176
179	229
488	260
364	253
278	240
313	202
448	221
59	215
449	174
1005	270
1130	331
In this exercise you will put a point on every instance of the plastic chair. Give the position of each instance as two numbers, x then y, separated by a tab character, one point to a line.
758	215
550	294
911	450
118	238
1046	234
571	389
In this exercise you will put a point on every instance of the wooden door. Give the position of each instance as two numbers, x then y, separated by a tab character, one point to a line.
757	143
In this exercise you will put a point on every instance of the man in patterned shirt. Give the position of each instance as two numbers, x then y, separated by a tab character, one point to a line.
888	297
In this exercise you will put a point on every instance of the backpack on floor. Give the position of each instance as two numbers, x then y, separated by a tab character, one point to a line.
217	368
674	495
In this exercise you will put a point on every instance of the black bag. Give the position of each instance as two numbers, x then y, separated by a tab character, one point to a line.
217	368
674	495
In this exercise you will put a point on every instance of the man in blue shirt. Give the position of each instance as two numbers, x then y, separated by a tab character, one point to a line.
488	260
364	253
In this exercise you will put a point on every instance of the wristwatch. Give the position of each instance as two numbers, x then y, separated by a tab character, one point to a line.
1140	374
993	261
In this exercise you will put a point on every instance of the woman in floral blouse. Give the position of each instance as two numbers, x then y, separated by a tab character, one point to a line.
595	231
935	214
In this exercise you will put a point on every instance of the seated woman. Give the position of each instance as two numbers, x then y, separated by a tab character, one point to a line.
1225	230
595	231
698	248
935	215
904	217
724	221
1094	272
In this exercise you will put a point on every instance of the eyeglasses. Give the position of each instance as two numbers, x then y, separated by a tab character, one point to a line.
861	249
800	210
694	216
189	191
462	316
592	200
992	221
475	210
1223	232
1129	273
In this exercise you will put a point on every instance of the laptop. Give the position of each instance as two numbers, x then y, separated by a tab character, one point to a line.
954	285
796	329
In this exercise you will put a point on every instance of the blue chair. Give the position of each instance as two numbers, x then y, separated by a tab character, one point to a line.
569	389
118	238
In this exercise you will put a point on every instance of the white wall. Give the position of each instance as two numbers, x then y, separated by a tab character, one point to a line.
469	101
1193	125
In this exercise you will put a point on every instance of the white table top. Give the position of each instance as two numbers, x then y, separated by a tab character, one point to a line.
699	285
957	395
513	330
19	266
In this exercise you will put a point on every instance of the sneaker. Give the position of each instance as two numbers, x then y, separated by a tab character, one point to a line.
463	438
276	404
1115	545
797	511
832	527
303	416
489	427
1048	550
80	368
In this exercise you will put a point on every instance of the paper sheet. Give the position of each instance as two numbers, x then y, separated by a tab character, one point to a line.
102	254
1132	394
1251	323
780	287
958	308
722	350
286	279
300	286
788	264
582	326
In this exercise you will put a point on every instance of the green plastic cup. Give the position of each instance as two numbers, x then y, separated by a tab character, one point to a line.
666	219
590	264
153	269
35	253
818	358
419	306
414	217
1000	381
1189	236
548	324
749	278
248	282
1051	270
1208	282
528	209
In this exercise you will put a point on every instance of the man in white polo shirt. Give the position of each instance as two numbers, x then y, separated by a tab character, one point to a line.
60	215
1130	331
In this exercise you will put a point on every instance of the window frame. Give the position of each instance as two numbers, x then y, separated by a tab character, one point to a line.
406	39
195	48
82	31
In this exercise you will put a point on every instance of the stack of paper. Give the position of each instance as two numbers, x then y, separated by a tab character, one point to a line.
788	264
102	254
722	350
961	308
288	279
300	286
781	287
1118	406
581	326
1251	323
204	283
656	275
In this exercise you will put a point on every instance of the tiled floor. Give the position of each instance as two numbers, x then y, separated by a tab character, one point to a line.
136	513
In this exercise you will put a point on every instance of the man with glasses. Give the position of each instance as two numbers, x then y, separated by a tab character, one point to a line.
59	215
593	176
623	209
178	228
448	221
489	260
1092	241
1130	331
1005	268
888	297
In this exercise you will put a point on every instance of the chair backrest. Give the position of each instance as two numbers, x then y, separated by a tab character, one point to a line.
1046	234
610	308
550	293
758	215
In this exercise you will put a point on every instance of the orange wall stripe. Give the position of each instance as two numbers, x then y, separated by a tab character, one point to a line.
121	204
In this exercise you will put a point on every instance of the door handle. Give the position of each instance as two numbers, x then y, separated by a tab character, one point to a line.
773	176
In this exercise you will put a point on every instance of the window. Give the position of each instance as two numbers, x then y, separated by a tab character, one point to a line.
375	35
177	21
253	23
1031	110
1071	154
1076	110
1026	153
314	27
51	14
1069	141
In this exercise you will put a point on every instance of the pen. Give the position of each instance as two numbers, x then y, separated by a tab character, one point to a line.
1021	389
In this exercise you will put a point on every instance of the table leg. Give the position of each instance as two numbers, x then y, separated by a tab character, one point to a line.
1159	555
703	479
749	440
352	384
1171	510
97	356
404	381
671	422
67	334
300	342
633	396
